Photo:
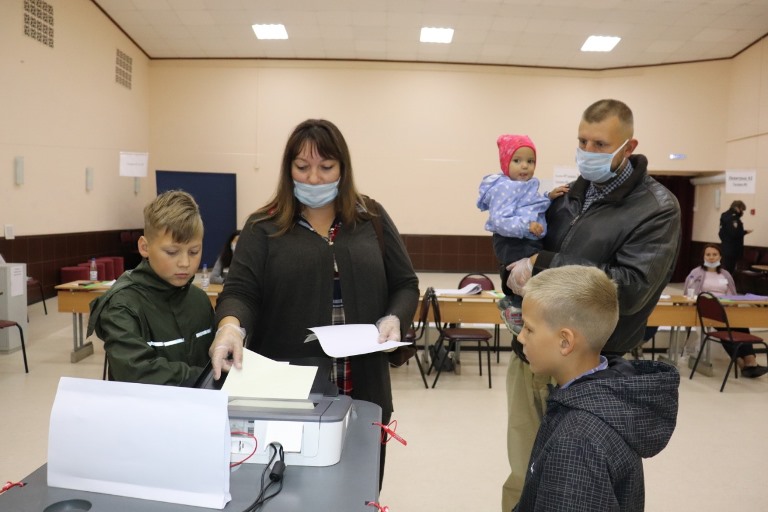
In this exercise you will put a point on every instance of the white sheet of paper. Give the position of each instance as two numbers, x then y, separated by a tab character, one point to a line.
288	433
261	377
351	340
162	443
18	280
470	289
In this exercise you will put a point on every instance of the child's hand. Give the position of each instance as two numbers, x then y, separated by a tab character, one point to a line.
536	228
557	192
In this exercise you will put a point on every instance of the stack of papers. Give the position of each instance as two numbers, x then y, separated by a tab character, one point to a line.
747	296
470	289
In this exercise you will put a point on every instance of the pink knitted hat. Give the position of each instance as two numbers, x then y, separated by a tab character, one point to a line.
508	144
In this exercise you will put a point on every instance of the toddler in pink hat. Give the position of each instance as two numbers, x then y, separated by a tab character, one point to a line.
515	212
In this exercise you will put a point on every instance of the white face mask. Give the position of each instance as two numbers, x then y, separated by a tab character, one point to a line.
596	167
315	196
713	264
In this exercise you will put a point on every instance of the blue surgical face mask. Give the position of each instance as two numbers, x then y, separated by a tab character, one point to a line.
596	167
713	264
315	196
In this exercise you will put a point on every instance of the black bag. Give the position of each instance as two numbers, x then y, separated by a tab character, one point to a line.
401	355
439	355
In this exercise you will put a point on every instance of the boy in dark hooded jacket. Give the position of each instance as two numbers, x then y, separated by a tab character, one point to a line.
155	324
604	415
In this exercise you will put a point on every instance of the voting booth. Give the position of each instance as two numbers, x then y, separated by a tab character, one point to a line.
13	304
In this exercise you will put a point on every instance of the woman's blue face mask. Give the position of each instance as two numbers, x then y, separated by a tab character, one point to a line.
315	196
596	167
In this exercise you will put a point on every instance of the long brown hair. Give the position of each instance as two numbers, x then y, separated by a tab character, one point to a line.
325	138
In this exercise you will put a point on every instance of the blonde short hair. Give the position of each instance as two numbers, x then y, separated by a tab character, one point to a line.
177	213
581	298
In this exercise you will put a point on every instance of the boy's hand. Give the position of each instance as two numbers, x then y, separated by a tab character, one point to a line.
536	228
519	274
389	329
228	342
557	192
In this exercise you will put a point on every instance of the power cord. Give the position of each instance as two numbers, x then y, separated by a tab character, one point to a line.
276	471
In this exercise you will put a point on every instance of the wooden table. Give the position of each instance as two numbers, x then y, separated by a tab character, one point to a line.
676	311
761	268
76	298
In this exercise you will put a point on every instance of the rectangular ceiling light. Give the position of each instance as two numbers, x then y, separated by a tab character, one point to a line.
270	31
436	35
600	43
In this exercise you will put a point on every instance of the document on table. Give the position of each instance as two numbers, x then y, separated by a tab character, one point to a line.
746	296
470	289
261	377
351	340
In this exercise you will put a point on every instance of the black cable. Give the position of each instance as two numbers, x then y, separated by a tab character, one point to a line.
275	477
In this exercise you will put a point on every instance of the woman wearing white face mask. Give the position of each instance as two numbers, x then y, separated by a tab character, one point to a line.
221	267
711	277
318	253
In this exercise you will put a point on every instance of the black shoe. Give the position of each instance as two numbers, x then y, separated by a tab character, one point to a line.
752	372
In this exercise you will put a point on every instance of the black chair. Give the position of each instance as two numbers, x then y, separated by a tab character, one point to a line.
712	315
36	284
11	323
455	336
416	332
485	283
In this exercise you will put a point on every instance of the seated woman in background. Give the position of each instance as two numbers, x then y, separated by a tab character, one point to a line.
710	277
220	269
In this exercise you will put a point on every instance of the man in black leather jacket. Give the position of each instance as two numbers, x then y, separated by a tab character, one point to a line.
615	217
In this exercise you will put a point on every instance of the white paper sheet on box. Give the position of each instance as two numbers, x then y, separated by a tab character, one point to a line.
162	443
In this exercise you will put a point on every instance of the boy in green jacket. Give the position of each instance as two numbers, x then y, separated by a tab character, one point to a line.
156	325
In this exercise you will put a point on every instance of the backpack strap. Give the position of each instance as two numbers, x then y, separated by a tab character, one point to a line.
373	208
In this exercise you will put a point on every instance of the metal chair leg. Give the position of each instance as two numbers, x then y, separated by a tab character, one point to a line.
42	296
9	323
488	354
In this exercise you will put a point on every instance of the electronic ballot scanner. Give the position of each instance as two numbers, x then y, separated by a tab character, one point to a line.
311	431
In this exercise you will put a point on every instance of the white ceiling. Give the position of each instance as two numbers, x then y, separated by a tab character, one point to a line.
541	33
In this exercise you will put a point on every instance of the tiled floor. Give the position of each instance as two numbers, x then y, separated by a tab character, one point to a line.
455	459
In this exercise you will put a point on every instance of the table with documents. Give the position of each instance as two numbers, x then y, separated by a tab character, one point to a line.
675	311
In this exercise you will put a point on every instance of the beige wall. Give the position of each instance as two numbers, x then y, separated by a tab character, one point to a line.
62	111
421	135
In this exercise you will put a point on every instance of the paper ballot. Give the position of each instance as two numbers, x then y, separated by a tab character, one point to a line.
261	377
351	340
162	443
470	289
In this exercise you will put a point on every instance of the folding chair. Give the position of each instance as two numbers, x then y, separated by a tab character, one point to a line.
455	336
416	332
485	283
712	314
11	323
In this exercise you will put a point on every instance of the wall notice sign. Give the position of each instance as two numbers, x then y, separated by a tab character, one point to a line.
133	164
740	181
18	280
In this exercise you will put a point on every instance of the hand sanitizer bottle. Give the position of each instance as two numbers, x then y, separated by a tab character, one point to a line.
205	279
93	275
